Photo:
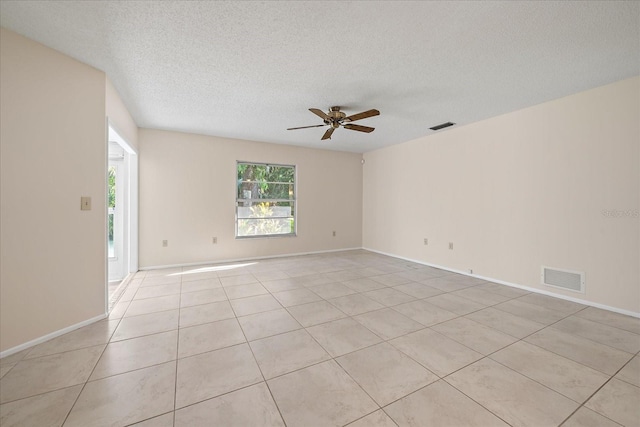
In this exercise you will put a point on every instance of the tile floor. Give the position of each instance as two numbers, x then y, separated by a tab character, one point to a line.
351	338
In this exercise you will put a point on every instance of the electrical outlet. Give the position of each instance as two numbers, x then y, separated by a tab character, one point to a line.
165	243
451	245
426	241
85	203
334	234
214	240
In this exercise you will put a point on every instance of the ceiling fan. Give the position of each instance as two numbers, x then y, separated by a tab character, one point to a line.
336	118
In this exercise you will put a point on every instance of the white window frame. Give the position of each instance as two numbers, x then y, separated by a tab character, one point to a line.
293	201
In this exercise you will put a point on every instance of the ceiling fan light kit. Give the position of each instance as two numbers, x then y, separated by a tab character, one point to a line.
336	118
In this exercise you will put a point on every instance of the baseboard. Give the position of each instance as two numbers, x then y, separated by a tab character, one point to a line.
47	337
514	285
225	261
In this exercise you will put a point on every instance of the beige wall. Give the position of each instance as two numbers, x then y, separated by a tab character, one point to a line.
519	191
187	196
119	116
52	151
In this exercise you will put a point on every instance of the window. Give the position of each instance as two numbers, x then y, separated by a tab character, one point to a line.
265	200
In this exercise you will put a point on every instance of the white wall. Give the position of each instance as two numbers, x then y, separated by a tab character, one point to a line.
187	196
119	116
519	191
52	152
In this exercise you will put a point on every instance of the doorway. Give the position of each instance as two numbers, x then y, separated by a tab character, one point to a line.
121	214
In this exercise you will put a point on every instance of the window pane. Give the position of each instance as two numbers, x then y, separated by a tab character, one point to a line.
266	200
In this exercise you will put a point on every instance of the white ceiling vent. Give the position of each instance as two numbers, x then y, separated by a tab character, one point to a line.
563	279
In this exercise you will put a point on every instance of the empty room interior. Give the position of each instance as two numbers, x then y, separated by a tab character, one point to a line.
319	213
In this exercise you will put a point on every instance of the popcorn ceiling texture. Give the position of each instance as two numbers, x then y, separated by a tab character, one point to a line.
250	70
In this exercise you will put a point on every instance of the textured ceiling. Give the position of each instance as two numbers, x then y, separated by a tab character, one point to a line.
250	70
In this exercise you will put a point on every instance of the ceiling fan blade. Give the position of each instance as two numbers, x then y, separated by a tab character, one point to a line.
359	128
363	115
319	113
327	134
305	127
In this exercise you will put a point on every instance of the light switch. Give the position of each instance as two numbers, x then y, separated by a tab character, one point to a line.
85	203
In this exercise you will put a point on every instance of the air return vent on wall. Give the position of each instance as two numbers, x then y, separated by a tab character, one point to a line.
564	279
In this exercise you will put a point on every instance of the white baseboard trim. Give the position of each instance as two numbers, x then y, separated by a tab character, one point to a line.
47	337
514	285
225	261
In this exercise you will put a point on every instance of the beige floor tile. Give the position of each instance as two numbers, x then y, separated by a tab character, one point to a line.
161	280
177	271
389	296
557	304
15	357
117	311
597	356
241	279
364	284
481	296
507	291
455	304
165	420
332	290
146	324
474	335
418	274
439	354
631	372
201	285
355	304
254	304
211	374
251	406
281	285
603	334
192	274
418	290
532	312
49	373
343	336
287	352
263	276
505	322
385	373
87	336
445	284
387	323
243	291
344	275
585	417
320	395
375	419
315	313
296	297
157	291
207	296
312	280
620	321
439	404
509	395
153	305
619	401
126	398
206	313
261	325
4	369
45	410
565	376
392	279
136	353
423	312
208	337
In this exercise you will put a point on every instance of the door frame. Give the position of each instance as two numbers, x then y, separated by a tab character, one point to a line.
130	215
